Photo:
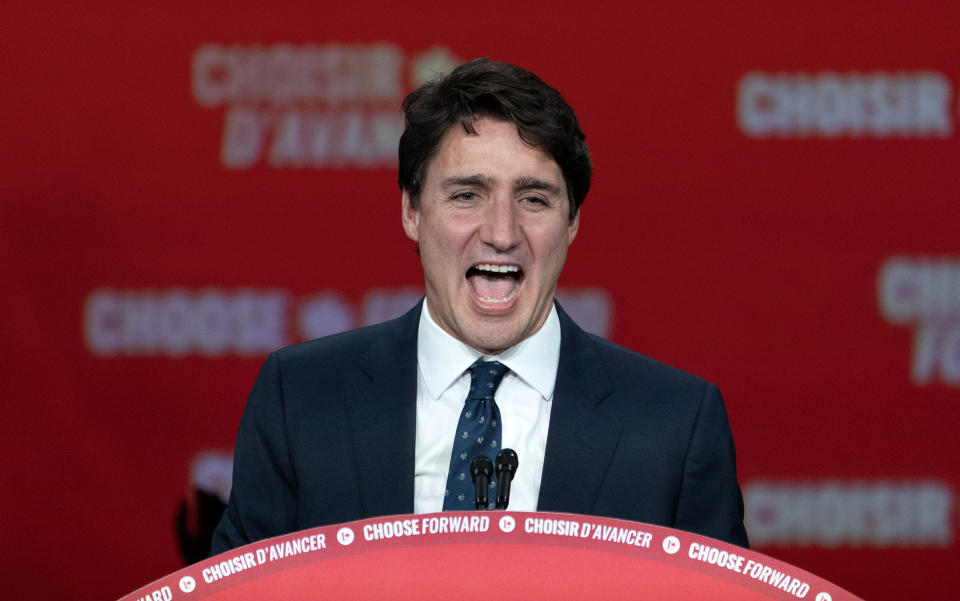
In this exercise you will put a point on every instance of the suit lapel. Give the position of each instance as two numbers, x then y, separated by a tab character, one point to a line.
581	440
382	417
383	420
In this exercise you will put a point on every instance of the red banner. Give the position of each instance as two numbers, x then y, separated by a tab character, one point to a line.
773	209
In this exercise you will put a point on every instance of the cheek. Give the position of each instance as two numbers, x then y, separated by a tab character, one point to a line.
440	245
439	257
450	239
553	247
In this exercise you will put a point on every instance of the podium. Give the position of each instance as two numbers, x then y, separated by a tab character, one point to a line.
500	555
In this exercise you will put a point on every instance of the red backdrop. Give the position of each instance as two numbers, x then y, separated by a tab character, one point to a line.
185	188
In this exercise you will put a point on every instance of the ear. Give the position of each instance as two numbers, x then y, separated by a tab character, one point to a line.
573	227
410	217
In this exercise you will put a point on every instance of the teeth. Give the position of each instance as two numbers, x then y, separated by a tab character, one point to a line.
498	300
496	268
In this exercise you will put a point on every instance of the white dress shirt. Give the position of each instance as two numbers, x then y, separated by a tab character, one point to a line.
524	397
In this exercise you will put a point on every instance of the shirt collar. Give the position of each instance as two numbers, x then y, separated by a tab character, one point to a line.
443	359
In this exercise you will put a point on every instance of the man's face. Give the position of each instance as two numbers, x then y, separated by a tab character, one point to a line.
493	226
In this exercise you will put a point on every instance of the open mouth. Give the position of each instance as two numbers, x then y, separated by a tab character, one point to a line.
494	283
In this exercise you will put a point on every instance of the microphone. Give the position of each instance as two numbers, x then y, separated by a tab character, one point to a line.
481	468
507	463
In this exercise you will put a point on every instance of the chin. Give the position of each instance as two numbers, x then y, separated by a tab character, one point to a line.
493	338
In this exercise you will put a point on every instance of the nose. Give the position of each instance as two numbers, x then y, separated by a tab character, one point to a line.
501	226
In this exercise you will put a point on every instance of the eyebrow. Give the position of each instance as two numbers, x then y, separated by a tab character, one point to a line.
521	183
467	180
533	183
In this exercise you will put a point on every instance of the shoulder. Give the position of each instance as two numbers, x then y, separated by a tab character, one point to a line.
625	372
346	351
657	401
632	368
351	342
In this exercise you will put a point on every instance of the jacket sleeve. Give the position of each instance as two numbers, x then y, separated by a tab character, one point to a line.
710	501
263	496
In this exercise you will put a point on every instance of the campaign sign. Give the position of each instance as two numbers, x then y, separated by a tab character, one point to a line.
483	555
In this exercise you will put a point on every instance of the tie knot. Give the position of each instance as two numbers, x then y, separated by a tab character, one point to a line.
485	378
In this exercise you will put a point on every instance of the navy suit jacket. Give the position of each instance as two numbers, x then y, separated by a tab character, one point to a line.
328	434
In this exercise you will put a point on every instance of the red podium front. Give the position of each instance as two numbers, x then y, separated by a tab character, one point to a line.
487	555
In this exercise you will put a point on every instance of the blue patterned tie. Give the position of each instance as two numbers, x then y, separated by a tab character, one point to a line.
478	433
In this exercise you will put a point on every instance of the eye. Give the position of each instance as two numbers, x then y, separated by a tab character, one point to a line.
466	196
534	201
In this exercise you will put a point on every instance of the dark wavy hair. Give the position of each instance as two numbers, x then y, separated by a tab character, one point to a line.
485	88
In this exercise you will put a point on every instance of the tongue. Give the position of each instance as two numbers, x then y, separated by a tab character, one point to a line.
493	287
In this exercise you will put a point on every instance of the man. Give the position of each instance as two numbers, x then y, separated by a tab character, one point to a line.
493	171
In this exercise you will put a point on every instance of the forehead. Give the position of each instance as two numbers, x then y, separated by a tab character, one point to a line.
495	151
